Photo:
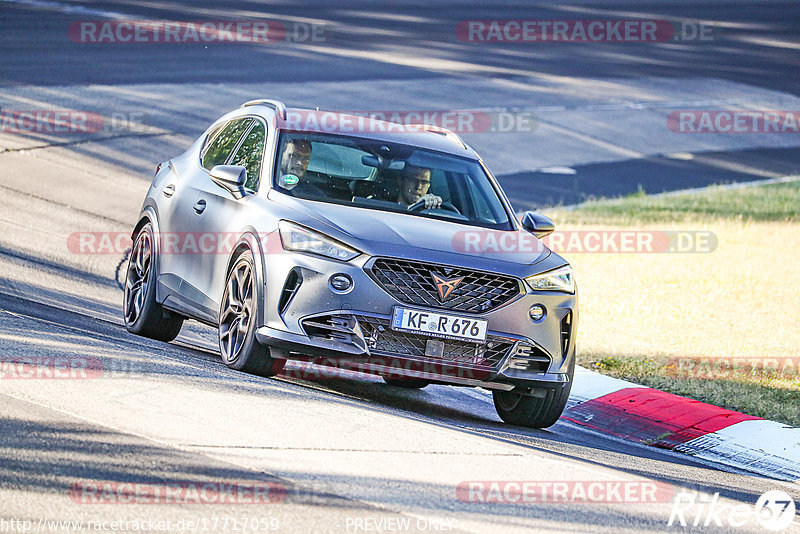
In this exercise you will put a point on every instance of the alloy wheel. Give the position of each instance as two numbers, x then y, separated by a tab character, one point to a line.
138	277
237	311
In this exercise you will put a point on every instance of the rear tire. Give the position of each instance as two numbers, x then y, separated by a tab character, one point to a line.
237	322
535	412
407	383
142	314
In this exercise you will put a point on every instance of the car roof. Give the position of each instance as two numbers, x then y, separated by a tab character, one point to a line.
339	123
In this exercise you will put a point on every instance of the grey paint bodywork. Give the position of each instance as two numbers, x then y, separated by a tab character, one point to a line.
192	283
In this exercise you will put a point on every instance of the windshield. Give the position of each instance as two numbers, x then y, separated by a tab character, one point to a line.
377	175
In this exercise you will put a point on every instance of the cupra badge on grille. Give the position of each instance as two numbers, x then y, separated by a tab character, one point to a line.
445	286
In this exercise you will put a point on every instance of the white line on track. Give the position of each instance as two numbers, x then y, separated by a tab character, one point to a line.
69	8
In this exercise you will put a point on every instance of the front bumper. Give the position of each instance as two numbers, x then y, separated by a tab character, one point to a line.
509	364
344	329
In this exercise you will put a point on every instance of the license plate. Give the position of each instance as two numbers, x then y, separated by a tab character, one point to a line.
442	325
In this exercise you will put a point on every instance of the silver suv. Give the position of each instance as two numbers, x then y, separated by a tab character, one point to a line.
346	241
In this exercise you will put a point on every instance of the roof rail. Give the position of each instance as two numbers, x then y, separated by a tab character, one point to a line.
448	134
277	105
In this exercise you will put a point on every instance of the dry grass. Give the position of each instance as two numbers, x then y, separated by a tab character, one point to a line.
741	300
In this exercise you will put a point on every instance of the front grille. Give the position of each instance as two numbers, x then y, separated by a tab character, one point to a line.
382	339
412	282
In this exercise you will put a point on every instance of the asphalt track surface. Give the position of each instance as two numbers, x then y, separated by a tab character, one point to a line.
351	453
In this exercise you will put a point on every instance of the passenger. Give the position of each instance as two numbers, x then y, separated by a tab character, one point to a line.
414	183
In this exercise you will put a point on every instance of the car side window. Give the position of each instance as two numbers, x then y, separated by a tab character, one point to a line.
220	148
250	154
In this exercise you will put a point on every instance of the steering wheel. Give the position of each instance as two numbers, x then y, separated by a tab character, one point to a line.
420	205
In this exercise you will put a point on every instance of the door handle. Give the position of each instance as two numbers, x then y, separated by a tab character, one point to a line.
168	190
199	206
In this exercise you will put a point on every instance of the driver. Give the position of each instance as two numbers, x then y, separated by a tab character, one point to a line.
414	184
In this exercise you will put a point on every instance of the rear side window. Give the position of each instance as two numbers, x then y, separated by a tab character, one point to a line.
250	154
223	144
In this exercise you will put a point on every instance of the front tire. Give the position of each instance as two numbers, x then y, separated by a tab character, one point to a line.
535	412
143	315
237	322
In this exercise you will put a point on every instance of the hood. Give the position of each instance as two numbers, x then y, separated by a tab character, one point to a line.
381	233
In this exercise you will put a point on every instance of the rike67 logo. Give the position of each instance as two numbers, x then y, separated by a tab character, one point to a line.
773	511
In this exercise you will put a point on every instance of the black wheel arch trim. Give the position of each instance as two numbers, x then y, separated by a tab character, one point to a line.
249	240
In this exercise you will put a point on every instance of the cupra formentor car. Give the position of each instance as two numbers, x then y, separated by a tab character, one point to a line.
364	245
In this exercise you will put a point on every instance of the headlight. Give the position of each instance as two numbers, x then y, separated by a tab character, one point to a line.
300	239
557	280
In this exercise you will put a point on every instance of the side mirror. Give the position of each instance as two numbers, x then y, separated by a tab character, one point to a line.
537	224
230	177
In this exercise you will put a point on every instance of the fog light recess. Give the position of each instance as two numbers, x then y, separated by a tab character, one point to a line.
537	312
341	283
